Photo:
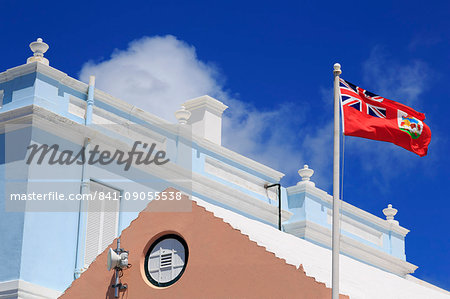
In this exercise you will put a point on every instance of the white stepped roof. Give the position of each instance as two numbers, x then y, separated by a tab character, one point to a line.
358	280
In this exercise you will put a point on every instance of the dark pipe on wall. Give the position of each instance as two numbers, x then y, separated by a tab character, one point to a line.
279	201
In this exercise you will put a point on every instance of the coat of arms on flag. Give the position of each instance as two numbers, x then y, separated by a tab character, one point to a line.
371	116
410	124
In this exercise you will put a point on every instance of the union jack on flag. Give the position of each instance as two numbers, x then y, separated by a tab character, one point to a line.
356	97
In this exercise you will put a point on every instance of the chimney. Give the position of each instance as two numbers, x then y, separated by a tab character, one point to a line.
206	117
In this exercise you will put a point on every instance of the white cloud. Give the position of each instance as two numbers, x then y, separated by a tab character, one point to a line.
280	138
156	74
399	82
159	73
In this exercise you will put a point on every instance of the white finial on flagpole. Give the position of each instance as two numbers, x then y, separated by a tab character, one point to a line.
337	69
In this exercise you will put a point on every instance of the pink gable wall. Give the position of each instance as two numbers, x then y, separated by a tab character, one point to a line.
223	263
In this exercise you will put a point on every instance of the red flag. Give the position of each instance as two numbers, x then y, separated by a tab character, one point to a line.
370	116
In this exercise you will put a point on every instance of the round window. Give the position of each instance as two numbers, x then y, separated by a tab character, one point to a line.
166	260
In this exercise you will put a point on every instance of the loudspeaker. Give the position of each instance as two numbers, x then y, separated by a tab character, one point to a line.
117	260
113	259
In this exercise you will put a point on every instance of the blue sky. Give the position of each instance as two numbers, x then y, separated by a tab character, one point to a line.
271	62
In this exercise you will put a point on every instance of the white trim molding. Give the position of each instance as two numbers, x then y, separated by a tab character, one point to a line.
311	231
70	130
21	289
208	102
346	207
426	284
238	177
358	229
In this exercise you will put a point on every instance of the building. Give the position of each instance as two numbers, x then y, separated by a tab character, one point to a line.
247	269
51	237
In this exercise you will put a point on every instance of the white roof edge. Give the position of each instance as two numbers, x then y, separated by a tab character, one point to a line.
426	284
350	247
134	110
358	280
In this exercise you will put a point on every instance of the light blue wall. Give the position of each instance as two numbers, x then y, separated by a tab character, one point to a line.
11	227
316	210
296	205
11	232
397	246
25	236
48	250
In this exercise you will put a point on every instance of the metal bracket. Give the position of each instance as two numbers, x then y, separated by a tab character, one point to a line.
120	286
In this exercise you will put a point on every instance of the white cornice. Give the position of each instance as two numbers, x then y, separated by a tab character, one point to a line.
206	102
137	112
351	209
229	196
237	199
240	159
18	71
312	231
26	290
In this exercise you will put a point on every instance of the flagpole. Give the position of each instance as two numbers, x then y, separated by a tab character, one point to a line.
336	156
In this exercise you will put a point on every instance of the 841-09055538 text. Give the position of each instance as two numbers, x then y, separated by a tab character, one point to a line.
98	195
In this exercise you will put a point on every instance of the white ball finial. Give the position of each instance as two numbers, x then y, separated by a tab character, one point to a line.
39	48
306	174
182	115
337	69
390	212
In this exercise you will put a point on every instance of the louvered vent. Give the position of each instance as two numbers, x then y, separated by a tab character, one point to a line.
102	221
166	260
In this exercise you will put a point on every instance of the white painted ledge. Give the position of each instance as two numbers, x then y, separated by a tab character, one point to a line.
25	290
322	235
